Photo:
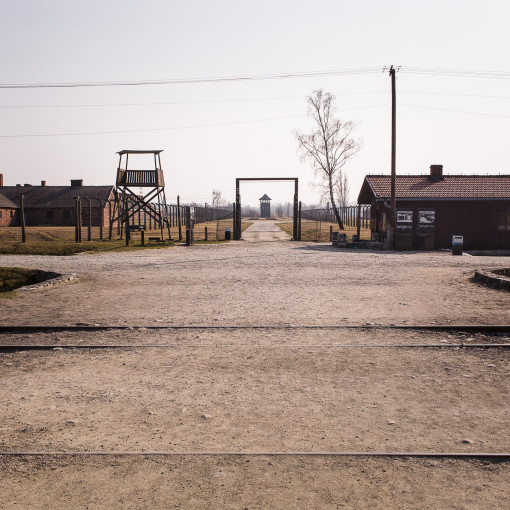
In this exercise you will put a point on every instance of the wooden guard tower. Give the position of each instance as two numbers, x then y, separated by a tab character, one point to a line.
151	202
265	206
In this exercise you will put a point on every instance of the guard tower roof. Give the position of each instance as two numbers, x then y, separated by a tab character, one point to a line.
128	151
265	197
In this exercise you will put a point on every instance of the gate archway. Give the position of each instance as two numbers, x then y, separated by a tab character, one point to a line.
296	230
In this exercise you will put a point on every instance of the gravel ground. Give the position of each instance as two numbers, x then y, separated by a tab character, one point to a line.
255	390
269	283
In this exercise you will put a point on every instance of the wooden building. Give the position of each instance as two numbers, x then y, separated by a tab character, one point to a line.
56	205
433	208
265	206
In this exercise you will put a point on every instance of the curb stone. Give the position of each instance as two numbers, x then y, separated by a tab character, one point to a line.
493	279
48	279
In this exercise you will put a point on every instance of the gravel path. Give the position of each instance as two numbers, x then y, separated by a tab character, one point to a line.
264	283
264	230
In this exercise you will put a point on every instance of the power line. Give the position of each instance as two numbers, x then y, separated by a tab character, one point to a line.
307	74
465	73
454	111
196	126
455	94
174	128
182	81
205	101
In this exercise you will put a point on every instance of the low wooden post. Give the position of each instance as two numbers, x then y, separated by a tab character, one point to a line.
22	207
330	233
205	230
143	237
128	232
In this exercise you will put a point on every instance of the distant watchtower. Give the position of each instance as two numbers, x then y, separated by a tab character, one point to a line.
151	202
265	206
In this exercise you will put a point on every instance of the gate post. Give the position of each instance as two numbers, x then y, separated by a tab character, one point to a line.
237	232
295	235
299	222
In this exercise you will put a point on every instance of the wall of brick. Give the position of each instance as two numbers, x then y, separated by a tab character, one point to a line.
8	217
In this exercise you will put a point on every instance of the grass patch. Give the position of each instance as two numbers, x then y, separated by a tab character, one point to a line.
12	278
63	248
319	231
59	241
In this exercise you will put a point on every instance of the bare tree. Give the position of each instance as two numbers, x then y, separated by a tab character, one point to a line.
329	146
217	199
341	188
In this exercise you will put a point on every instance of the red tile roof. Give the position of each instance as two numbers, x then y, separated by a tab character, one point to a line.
449	187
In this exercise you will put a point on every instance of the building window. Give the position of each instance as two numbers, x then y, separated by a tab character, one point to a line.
49	215
504	222
66	214
0	214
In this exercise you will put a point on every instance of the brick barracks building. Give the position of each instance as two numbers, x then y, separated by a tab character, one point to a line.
55	205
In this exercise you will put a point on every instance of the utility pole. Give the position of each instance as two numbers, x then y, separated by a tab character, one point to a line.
393	204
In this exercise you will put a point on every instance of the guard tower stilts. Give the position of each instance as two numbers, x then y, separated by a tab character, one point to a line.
151	202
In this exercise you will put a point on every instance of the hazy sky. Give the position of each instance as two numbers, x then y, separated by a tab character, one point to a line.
212	133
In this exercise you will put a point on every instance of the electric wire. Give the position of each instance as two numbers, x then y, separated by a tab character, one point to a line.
173	103
466	73
174	128
185	81
453	111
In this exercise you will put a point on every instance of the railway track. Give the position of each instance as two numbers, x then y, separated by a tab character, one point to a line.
499	456
467	328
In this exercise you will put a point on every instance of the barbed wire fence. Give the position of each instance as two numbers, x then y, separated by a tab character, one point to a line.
319	223
90	220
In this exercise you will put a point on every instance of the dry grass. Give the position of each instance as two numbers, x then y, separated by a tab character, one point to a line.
12	278
319	231
60	240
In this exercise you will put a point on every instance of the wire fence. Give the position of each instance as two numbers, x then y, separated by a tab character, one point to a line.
95	221
348	215
319	224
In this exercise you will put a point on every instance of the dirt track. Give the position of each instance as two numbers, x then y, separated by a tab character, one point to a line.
251	390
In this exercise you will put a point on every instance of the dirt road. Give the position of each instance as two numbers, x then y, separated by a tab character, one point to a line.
221	402
264	230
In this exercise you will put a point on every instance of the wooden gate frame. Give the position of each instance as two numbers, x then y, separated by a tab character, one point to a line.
296	233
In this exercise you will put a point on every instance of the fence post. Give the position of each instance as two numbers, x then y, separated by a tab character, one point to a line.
76	222
179	216
359	222
80	219
206	234
110	228
101	218
330	233
89	227
22	207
